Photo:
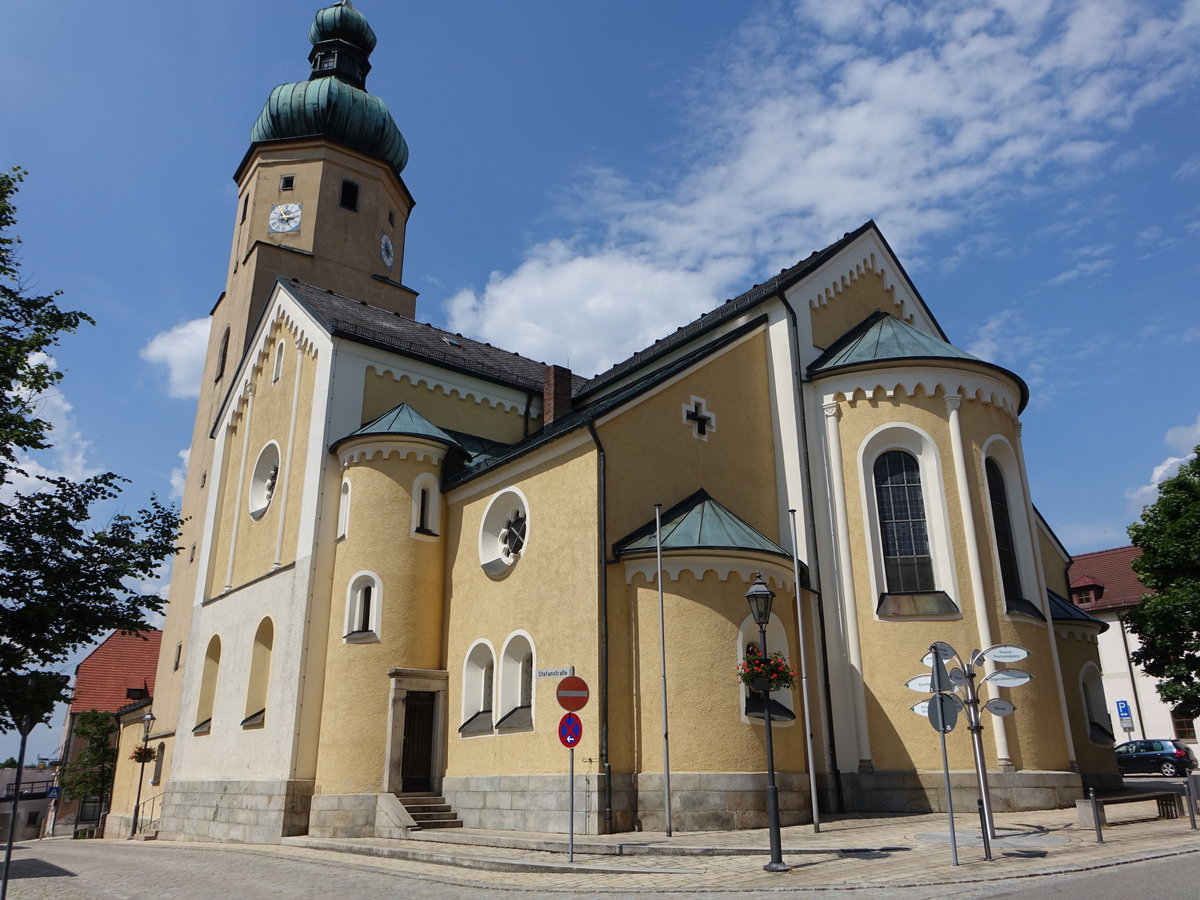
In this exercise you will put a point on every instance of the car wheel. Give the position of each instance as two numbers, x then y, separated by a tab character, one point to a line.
1169	769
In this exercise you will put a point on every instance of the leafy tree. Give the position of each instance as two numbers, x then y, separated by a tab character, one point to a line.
90	772
1168	620
63	581
10	763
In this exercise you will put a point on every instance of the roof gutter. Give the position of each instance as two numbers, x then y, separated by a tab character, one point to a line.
602	599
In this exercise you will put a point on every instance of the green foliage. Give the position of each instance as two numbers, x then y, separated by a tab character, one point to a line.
1168	620
90	772
10	763
63	581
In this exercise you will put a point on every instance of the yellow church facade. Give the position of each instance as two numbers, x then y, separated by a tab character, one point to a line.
398	538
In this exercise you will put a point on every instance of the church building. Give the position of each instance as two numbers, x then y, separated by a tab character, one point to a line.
395	536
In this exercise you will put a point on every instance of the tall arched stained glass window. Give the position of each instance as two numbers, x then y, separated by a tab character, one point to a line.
908	566
1006	547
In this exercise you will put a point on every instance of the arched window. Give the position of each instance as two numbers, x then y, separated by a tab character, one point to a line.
260	675
362	609
208	687
426	506
478	674
907	562
344	509
905	511
278	369
1006	548
1095	707
159	753
1015	554
783	704
222	355
516	684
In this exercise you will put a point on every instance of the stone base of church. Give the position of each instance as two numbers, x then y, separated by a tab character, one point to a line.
538	802
915	792
720	801
251	812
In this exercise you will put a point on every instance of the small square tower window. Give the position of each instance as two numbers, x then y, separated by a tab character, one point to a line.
350	195
287	182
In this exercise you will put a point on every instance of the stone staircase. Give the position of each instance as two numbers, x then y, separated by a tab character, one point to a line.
429	810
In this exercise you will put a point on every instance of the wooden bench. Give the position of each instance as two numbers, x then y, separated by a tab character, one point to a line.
1170	805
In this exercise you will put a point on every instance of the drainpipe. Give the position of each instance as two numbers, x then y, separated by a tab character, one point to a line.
815	568
602	572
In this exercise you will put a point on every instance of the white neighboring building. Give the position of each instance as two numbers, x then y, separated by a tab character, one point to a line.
1104	584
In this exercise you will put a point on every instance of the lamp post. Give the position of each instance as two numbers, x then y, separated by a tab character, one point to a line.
147	722
759	597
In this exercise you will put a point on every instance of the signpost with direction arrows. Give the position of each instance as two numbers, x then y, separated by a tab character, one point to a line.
943	707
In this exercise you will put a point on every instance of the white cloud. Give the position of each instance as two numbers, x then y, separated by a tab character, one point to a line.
1182	438
179	474
807	125
182	351
68	454
1188	168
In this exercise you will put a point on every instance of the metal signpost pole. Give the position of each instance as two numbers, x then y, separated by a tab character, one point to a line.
24	728
571	809
949	801
975	726
662	642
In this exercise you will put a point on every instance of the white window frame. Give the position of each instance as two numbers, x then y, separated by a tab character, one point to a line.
427	482
915	441
777	641
277	369
344	495
518	653
1091	687
354	599
476	697
999	451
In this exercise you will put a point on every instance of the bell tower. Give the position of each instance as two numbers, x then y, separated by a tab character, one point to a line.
320	198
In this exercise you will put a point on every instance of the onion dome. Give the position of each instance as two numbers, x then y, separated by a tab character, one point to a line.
334	103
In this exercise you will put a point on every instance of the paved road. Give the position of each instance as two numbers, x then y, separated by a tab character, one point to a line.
63	869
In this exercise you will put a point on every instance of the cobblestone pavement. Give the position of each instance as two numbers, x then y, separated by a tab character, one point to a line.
852	856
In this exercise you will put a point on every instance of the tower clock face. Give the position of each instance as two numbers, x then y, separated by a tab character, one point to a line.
284	217
387	251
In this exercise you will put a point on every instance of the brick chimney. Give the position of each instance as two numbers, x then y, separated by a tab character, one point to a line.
556	394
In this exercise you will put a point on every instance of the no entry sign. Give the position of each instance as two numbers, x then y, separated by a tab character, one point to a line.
570	730
572	693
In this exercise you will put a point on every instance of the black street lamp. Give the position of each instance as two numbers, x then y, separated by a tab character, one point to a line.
760	597
147	722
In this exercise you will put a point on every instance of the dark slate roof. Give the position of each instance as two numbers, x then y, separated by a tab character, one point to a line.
699	523
881	337
1063	611
403	420
728	310
357	320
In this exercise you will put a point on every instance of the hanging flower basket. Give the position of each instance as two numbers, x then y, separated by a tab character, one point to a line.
142	754
766	674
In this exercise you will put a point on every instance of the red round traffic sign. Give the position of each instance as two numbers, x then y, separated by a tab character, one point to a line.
570	730
572	693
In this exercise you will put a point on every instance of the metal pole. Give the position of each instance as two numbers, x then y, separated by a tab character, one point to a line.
138	801
571	809
662	643
1188	796
983	831
1096	815
975	726
776	864
949	800
12	821
808	734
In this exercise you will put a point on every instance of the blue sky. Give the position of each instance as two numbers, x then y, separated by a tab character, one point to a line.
589	176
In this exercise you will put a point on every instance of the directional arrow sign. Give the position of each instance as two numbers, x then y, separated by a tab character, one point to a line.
1005	653
940	678
921	684
1009	678
944	650
957	676
570	730
998	706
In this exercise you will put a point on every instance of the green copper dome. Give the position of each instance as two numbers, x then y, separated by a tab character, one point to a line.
334	102
342	22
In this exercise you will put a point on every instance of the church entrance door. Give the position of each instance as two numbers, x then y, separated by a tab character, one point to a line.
416	767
